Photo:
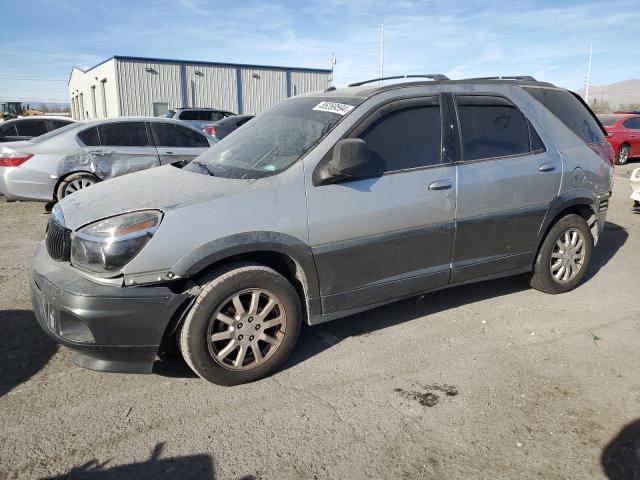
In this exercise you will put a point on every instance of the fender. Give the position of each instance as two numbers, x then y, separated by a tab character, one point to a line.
572	198
250	242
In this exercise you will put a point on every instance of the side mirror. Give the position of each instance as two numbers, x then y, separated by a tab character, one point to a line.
350	155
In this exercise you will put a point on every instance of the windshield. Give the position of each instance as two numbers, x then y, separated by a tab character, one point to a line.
57	131
169	114
608	120
274	140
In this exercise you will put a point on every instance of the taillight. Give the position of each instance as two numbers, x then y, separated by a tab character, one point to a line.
211	130
605	151
13	159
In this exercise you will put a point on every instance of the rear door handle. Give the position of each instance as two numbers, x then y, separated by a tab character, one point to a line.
547	167
168	153
441	185
101	153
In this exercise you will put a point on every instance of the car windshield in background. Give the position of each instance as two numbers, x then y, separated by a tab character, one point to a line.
169	114
608	120
275	140
57	131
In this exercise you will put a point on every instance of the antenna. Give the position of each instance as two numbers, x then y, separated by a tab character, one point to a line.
586	93
382	53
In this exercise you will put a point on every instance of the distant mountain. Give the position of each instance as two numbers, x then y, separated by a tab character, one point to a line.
616	94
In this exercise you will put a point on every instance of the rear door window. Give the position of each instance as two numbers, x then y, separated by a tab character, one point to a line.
189	115
124	134
90	137
169	135
31	128
404	137
491	127
570	110
632	123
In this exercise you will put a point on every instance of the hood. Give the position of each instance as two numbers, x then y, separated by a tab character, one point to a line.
163	188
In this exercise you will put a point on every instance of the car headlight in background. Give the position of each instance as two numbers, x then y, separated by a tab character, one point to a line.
108	245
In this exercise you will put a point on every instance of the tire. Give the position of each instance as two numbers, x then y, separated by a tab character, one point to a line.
544	274
75	182
245	327
622	156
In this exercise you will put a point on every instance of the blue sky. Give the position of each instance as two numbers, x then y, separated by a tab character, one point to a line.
549	40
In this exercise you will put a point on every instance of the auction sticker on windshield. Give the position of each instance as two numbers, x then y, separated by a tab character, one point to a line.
333	107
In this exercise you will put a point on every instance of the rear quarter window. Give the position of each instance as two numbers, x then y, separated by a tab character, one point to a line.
571	111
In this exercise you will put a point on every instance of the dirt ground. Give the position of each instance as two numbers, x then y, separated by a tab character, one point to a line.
493	380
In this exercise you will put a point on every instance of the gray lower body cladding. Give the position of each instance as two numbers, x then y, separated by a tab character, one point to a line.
108	328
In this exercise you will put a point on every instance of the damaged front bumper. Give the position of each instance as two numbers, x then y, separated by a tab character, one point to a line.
109	328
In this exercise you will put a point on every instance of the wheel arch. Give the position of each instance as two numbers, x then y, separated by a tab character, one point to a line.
287	255
581	203
66	175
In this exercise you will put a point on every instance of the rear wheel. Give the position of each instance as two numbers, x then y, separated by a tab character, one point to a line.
243	325
623	154
564	256
75	182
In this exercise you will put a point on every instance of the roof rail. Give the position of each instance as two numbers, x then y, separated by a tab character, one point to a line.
432	76
526	78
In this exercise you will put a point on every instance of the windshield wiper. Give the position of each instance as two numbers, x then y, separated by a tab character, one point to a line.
204	166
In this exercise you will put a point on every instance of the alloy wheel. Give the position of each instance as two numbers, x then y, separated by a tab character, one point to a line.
247	329
567	256
77	184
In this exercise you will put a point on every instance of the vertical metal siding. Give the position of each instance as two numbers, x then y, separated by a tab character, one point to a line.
306	82
261	89
213	87
140	89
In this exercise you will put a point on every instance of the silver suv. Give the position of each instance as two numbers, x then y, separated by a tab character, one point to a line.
326	205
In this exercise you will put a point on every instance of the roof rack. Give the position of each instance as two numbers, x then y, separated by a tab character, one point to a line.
526	78
432	76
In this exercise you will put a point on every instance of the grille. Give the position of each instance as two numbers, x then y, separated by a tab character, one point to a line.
603	206
58	240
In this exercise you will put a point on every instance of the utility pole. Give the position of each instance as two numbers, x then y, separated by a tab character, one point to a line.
586	93
332	62
382	52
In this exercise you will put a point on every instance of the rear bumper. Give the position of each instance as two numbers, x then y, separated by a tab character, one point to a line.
17	183
109	328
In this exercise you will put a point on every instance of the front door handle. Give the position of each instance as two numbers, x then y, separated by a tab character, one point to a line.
441	185
547	167
168	153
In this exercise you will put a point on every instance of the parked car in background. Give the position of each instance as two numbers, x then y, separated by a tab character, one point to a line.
623	134
224	127
54	165
325	205
198	116
635	188
29	127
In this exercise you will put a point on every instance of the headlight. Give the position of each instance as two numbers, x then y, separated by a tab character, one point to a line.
108	245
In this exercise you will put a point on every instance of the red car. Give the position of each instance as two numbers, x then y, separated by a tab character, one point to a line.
623	134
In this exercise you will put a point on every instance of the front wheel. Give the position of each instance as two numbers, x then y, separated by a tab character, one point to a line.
564	256
623	154
243	325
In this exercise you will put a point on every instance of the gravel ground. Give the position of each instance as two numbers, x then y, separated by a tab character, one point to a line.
493	380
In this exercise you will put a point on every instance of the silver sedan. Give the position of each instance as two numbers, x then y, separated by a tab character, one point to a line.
54	165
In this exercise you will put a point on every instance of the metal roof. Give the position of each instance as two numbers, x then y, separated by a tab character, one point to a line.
199	62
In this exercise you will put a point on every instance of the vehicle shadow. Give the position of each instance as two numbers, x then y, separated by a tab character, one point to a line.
313	340
191	467
24	350
612	239
620	459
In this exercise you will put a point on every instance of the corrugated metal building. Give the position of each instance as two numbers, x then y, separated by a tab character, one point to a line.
125	86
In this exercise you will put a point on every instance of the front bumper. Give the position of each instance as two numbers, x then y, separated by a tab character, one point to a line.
109	328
